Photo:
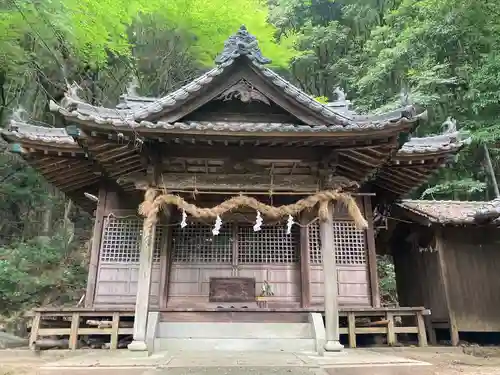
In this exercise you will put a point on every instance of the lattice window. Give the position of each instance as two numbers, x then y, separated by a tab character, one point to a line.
196	244
269	245
121	240
349	242
314	244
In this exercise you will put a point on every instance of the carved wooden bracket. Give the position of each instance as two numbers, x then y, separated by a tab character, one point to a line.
243	91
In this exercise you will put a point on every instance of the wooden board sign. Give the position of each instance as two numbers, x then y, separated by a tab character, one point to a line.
232	289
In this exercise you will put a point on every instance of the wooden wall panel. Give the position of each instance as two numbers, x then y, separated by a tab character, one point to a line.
189	283
117	284
353	285
418	280
472	259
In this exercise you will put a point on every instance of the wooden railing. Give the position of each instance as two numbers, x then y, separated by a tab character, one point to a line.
357	321
384	321
77	319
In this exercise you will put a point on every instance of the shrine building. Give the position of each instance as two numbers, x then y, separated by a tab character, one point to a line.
236	198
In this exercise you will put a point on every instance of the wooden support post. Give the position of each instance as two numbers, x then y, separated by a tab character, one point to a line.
165	258
95	247
445	282
351	329
391	334
35	326
73	335
332	342
115	327
372	253
431	332
305	267
422	335
143	287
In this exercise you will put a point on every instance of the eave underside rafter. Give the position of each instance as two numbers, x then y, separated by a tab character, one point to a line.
114	160
279	164
402	178
74	176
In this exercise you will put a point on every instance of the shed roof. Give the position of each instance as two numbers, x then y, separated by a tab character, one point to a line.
454	212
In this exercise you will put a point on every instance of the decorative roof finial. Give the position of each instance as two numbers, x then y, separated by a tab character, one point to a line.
132	86
242	44
72	91
405	96
449	126
341	97
17	115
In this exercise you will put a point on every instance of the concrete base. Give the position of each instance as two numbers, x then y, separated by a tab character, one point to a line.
137	346
235	345
333	346
233	336
318	329
269	363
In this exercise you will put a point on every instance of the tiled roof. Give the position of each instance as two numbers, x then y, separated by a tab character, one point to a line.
132	111
21	130
454	212
437	143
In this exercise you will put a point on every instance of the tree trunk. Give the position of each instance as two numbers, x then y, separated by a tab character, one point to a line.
491	171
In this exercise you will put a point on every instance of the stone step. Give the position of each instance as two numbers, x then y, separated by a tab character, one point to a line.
222	330
236	344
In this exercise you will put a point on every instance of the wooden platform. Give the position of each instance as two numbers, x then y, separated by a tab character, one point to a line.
71	322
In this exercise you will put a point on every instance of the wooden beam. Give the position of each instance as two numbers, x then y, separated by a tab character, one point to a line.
443	268
292	154
372	253
332	342
165	256
305	267
139	342
96	245
230	182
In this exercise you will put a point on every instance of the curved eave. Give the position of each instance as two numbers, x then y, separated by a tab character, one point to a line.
24	146
25	137
94	122
407	171
420	155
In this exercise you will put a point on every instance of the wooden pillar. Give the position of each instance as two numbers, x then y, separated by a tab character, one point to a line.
332	342
446	287
372	253
143	287
95	246
165	258
305	266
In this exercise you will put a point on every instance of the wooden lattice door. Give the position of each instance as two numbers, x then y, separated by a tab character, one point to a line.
351	260
118	267
268	255
271	255
198	255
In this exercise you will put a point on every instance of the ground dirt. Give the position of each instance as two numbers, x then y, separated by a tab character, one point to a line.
445	361
471	360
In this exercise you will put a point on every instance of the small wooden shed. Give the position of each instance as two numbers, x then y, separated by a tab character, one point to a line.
446	256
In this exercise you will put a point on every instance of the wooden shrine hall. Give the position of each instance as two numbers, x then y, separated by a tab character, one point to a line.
247	187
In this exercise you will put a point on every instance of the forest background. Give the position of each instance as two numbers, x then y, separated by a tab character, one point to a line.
444	53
